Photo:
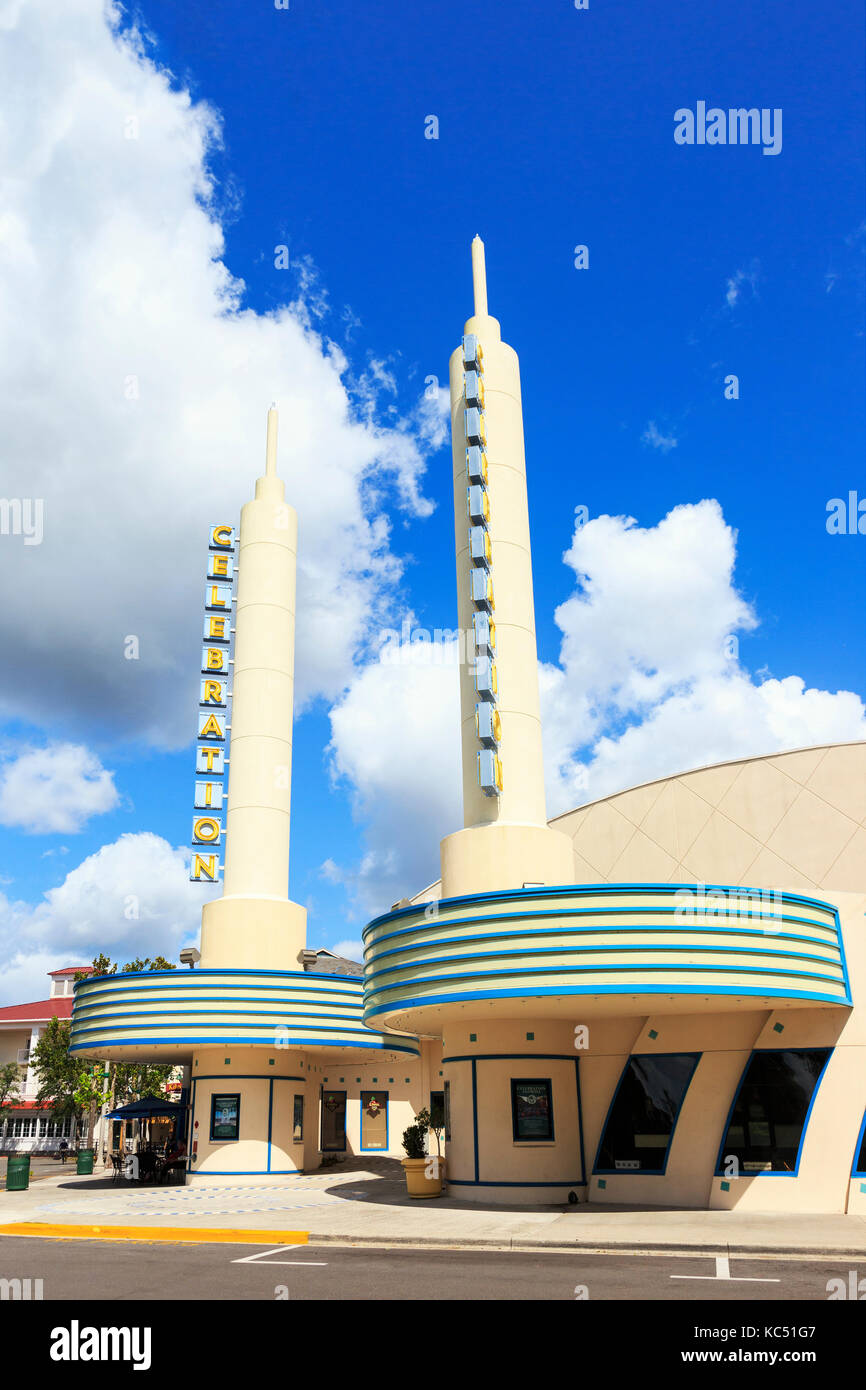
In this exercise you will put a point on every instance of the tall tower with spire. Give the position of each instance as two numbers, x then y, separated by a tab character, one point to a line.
506	841
254	924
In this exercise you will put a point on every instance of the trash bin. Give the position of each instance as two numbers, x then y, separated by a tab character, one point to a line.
17	1172
85	1161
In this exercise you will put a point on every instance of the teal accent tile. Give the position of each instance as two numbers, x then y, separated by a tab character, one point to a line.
863	1187
653	1034
530	1037
778	1027
473	1037
270	1061
602	1182
227	1062
725	1186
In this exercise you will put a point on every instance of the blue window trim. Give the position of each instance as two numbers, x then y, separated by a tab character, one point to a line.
516	1057
589	890
374	1091
688	932
270	1117
580	1121
185	1041
513	1057
247	1173
474	996
603	970
192	1116
475	1112
644	1172
293	975
338	1023
246	1076
855	1171
337	1092
492	1182
762	952
771	1172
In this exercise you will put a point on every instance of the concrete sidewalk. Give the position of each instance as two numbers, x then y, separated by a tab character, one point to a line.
368	1205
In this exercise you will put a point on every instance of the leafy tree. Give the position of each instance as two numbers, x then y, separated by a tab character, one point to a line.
59	1074
123	1082
69	1086
10	1083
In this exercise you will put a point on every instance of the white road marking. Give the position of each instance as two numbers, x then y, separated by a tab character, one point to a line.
278	1250
723	1271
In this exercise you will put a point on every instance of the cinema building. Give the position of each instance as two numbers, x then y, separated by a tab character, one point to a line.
657	998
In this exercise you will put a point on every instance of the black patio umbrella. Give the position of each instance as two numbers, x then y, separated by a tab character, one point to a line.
145	1109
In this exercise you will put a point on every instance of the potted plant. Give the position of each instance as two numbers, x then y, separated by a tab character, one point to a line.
424	1171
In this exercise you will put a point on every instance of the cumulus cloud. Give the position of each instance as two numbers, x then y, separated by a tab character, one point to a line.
649	680
648	683
136	381
54	790
395	742
133	897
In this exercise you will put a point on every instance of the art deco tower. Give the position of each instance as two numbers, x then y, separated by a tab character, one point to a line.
506	841
254	924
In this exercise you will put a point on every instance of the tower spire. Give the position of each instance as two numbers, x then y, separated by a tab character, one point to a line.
271	454
479	277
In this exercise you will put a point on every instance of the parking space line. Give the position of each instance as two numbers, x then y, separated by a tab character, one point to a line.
723	1271
278	1250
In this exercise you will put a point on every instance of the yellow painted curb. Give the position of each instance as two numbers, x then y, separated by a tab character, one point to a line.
183	1234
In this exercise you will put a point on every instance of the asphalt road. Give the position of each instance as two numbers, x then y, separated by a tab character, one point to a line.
108	1270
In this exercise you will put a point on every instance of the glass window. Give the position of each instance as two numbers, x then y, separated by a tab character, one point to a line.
298	1120
860	1156
437	1109
532	1109
446	1102
225	1117
769	1114
643	1113
333	1121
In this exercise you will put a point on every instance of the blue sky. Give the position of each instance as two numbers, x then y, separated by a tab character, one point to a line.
555	129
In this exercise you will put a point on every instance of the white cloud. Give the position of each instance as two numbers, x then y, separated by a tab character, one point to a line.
349	949
648	684
653	436
136	384
396	741
133	897
54	790
649	681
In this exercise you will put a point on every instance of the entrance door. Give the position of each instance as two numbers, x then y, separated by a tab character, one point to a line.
374	1121
333	1121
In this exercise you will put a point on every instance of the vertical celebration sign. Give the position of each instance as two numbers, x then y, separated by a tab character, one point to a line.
488	725
214	695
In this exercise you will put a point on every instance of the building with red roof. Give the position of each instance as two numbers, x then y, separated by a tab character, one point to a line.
25	1127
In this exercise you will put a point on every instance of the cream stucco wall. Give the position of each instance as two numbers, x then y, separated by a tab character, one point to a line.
789	820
